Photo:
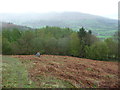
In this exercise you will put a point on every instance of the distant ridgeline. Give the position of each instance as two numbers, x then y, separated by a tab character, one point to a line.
11	26
100	26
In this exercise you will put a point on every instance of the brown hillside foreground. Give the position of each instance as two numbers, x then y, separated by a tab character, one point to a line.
81	73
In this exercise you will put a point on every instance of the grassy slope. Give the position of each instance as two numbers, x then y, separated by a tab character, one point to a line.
50	71
15	75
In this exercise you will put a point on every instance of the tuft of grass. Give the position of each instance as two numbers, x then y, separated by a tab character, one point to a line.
89	69
109	76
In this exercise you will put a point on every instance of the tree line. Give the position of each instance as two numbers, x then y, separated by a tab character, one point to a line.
59	41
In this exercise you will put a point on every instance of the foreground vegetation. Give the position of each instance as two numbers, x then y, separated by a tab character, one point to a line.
16	75
53	71
59	41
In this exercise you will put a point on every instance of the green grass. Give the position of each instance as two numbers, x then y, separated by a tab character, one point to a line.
103	36
14	74
89	69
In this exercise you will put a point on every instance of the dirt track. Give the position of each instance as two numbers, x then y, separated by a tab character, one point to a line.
82	73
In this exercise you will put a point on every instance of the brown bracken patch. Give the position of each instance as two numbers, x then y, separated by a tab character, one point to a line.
82	73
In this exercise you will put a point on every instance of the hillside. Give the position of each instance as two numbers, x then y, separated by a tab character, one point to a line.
11	26
100	26
51	71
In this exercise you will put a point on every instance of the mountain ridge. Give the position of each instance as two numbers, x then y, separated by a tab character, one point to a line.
75	20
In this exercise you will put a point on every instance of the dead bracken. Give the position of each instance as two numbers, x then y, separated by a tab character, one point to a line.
82	73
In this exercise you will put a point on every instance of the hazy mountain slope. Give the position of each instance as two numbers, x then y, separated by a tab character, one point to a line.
99	25
11	26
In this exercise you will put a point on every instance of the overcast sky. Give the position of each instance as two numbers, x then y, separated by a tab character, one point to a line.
106	8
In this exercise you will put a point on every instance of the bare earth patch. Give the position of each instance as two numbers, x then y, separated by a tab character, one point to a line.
81	73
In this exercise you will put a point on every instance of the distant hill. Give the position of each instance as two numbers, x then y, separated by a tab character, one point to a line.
100	26
11	26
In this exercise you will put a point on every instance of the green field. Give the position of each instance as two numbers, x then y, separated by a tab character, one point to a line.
15	74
